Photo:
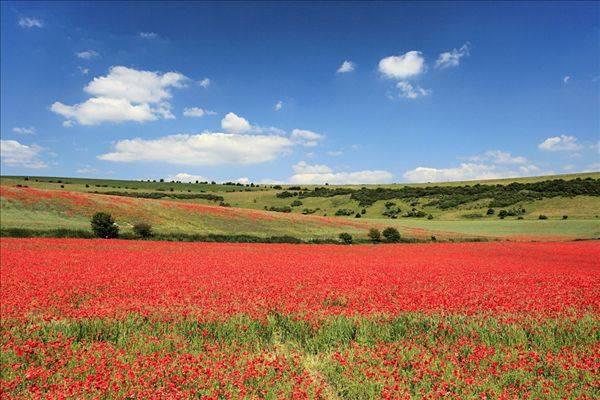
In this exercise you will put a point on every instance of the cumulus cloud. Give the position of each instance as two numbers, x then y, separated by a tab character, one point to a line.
408	91
185	177
208	148
87	54
148	35
125	94
560	143
347	66
404	66
16	154
204	83
319	174
498	157
27	22
278	105
566	79
452	58
24	131
196	112
306	138
235	124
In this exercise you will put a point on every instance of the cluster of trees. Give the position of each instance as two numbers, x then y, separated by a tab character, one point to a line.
451	196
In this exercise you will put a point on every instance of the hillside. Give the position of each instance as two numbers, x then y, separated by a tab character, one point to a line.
309	212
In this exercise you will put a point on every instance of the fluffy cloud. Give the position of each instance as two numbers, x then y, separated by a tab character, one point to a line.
235	124
278	105
87	54
16	154
208	148
306	138
196	112
468	171
319	174
204	83
566	79
335	153
24	131
27	22
452	58
408	91
148	35
560	143
347	66
185	177
125	94
405	66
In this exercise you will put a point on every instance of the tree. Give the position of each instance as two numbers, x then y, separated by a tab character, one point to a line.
542	216
391	235
491	211
143	229
502	214
374	235
103	226
346	238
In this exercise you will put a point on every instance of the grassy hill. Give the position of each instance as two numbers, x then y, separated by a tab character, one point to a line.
203	208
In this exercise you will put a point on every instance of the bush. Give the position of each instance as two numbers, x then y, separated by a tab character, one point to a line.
391	235
430	216
502	214
296	203
565	216
103	226
346	238
143	229
542	216
357	215
374	235
344	212
490	211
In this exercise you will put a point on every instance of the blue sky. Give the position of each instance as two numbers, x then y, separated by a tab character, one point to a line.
300	92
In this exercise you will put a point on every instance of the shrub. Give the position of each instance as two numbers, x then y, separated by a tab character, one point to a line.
103	226
374	235
391	235
490	211
565	216
502	214
143	229
344	211
430	216
363	211
296	203
346	238
542	216
357	215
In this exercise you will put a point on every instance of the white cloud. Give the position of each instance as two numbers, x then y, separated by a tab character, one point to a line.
468	171
320	174
560	143
87	171
84	71
408	91
405	66
16	154
566	79
347	66
197	112
278	105
452	58
27	22
148	35
204	83
335	153
306	138
125	94
208	148
243	181
185	177
235	124
498	157
87	54
24	131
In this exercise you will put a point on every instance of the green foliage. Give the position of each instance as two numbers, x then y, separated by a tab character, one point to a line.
344	212
345	238
542	216
143	229
103	226
391	235
284	209
374	235
296	203
490	211
285	194
160	195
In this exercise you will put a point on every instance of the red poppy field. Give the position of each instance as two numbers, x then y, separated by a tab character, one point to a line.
133	319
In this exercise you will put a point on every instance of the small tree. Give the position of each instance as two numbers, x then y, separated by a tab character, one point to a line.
143	229
502	214
103	226
346	238
374	235
542	216
565	216
391	235
491	211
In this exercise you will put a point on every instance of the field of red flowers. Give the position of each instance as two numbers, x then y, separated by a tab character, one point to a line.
125	319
